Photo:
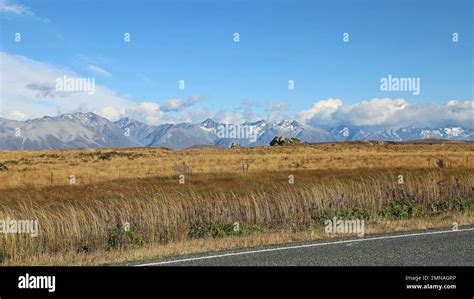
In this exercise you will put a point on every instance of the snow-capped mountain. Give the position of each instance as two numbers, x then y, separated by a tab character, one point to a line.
293	129
180	136
260	133
83	130
403	134
77	130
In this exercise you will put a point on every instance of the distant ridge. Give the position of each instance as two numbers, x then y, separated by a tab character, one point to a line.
89	130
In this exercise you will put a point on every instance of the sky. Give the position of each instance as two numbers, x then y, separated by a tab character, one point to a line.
333	54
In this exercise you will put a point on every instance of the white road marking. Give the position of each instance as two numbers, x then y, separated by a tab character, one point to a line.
301	246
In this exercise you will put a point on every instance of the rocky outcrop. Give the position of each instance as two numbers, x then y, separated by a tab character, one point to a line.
235	145
280	140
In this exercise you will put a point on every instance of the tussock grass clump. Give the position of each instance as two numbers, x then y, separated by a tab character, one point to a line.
135	214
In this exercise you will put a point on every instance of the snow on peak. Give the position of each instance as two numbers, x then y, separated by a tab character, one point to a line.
454	131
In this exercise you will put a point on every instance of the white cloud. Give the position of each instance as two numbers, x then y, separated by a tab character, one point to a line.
276	112
147	112
248	114
98	70
178	104
228	117
11	8
388	113
375	112
16	115
278	107
196	115
45	90
110	113
321	111
28	86
28	91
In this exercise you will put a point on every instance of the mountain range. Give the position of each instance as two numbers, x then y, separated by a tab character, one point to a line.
89	130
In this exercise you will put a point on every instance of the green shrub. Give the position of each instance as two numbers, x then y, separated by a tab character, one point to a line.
439	207
350	213
464	204
120	238
219	230
401	209
3	257
105	156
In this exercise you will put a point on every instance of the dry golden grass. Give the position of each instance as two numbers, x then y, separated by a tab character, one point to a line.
346	180
195	246
46	168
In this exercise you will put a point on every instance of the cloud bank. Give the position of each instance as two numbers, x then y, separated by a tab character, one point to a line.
388	113
28	91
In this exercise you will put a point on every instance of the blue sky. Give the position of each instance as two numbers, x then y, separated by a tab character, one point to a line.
279	41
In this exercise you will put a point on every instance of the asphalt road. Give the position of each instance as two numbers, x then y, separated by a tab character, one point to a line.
422	248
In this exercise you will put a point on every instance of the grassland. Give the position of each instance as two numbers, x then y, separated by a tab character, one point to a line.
85	222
